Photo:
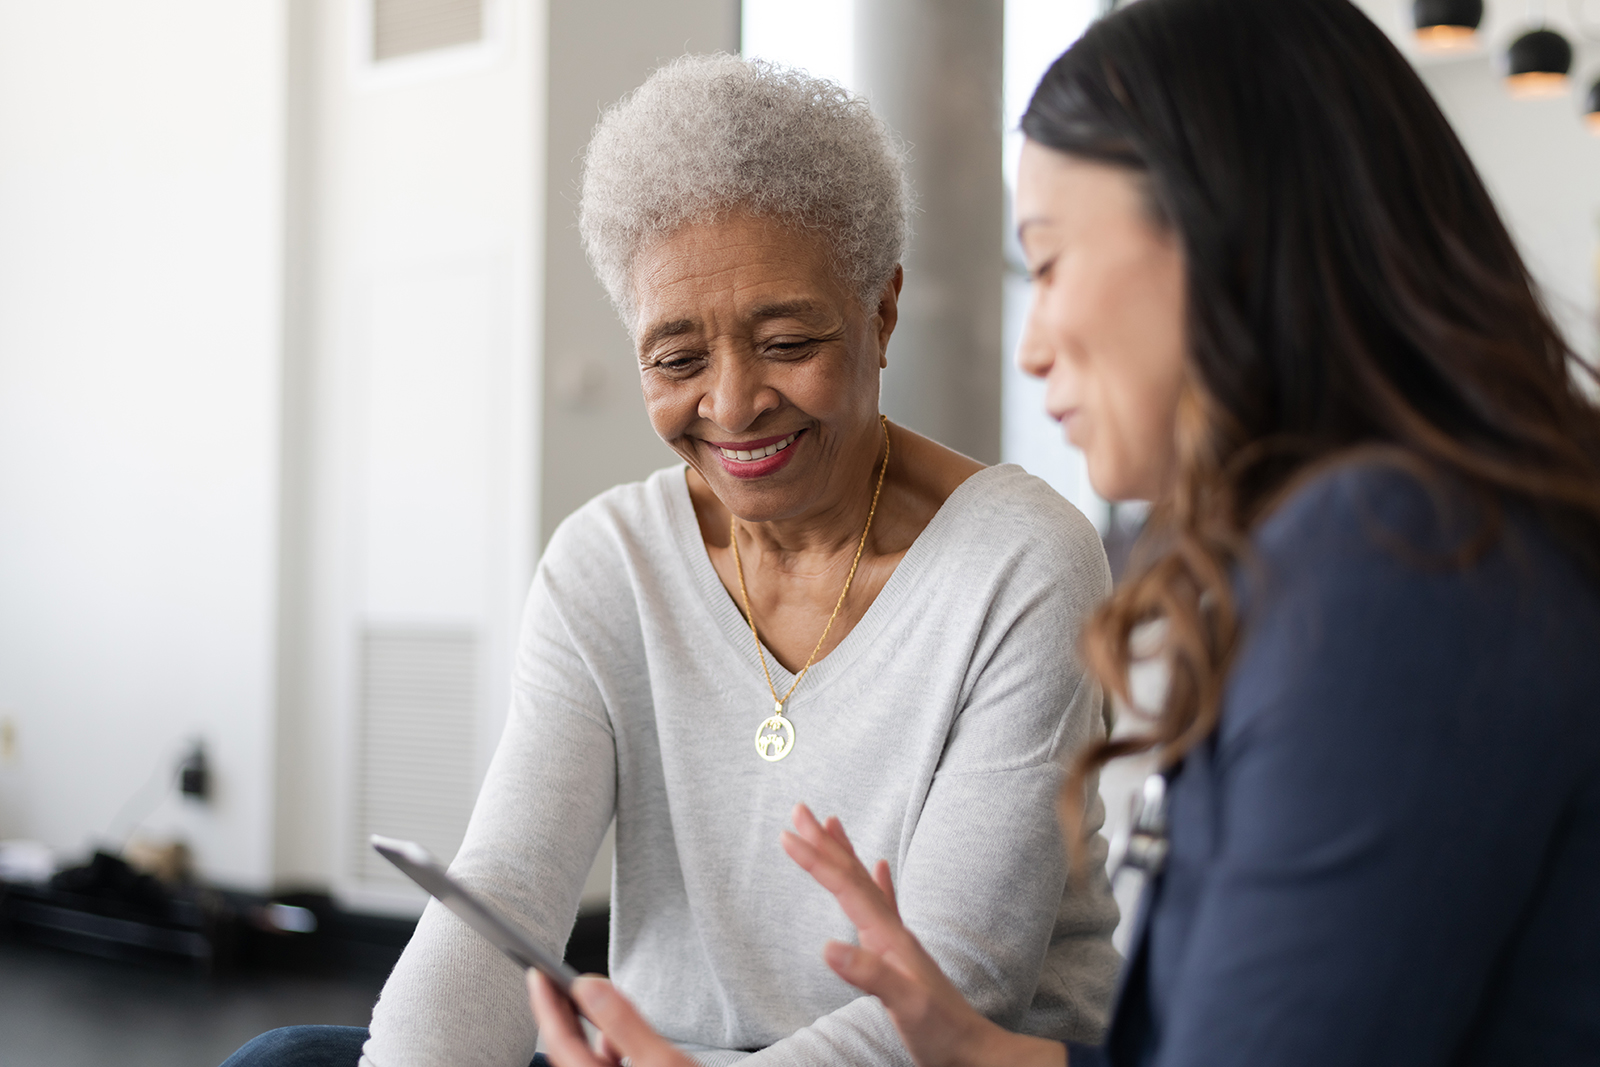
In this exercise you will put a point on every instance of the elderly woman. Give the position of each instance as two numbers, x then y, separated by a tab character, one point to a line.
815	603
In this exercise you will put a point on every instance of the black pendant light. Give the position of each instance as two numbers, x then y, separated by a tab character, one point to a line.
1447	25
1538	64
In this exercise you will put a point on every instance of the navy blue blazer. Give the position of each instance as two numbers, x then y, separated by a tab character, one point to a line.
1389	851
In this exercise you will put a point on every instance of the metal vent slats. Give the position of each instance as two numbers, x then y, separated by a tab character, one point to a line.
416	736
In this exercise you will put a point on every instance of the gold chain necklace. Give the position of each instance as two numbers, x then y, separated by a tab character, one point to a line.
775	737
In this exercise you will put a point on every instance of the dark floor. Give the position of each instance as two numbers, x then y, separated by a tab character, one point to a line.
61	1009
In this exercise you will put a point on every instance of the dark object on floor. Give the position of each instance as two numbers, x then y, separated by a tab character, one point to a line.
115	888
309	933
105	908
347	942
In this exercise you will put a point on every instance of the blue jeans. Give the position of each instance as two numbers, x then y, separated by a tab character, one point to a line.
312	1046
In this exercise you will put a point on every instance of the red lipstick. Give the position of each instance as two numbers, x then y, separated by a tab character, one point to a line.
756	468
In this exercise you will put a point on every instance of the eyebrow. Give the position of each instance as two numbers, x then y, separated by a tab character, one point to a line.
785	309
663	330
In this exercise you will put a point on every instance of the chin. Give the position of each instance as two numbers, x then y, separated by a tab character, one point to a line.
1109	485
754	499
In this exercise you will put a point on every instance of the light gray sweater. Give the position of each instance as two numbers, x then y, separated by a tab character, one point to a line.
936	730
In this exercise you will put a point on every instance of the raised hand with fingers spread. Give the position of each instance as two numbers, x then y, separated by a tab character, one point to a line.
938	1026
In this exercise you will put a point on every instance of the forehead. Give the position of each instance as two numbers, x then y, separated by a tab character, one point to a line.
1056	190
734	270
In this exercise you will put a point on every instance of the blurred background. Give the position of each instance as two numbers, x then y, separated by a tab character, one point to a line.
301	362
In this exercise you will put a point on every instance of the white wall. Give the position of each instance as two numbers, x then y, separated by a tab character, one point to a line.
140	232
411	501
819	36
272	375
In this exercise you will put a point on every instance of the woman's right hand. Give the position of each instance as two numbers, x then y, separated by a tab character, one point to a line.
938	1026
623	1035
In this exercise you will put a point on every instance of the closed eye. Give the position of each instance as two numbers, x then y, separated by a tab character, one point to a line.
677	364
792	347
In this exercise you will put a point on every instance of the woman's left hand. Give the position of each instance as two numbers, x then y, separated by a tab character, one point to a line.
623	1031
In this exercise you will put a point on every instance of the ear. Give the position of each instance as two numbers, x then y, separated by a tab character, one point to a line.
888	314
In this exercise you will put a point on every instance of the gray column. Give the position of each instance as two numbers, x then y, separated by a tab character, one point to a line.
933	70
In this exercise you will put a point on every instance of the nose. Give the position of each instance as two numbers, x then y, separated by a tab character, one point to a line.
738	394
1034	354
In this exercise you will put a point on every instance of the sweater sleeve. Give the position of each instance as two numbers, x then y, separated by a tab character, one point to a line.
538	822
983	882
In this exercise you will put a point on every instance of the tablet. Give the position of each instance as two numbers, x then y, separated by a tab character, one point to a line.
415	862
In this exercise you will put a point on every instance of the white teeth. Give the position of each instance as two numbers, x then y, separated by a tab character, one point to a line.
759	453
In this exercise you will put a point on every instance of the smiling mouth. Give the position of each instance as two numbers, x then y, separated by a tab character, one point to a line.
740	455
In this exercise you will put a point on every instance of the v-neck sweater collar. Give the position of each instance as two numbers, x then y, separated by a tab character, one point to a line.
730	620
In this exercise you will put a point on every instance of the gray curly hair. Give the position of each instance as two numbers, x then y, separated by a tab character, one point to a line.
706	136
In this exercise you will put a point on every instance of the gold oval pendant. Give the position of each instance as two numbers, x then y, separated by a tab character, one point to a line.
775	738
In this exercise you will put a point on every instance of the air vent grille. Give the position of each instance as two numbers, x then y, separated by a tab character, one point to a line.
406	27
415	778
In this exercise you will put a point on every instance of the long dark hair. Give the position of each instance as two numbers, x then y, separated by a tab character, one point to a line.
1351	290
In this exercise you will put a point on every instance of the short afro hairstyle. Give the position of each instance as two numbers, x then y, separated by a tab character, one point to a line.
707	136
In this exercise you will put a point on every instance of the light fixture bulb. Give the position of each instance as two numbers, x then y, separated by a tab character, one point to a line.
1537	65
1537	85
1446	25
1446	38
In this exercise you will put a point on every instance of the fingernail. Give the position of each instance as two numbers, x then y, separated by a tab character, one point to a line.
838	954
